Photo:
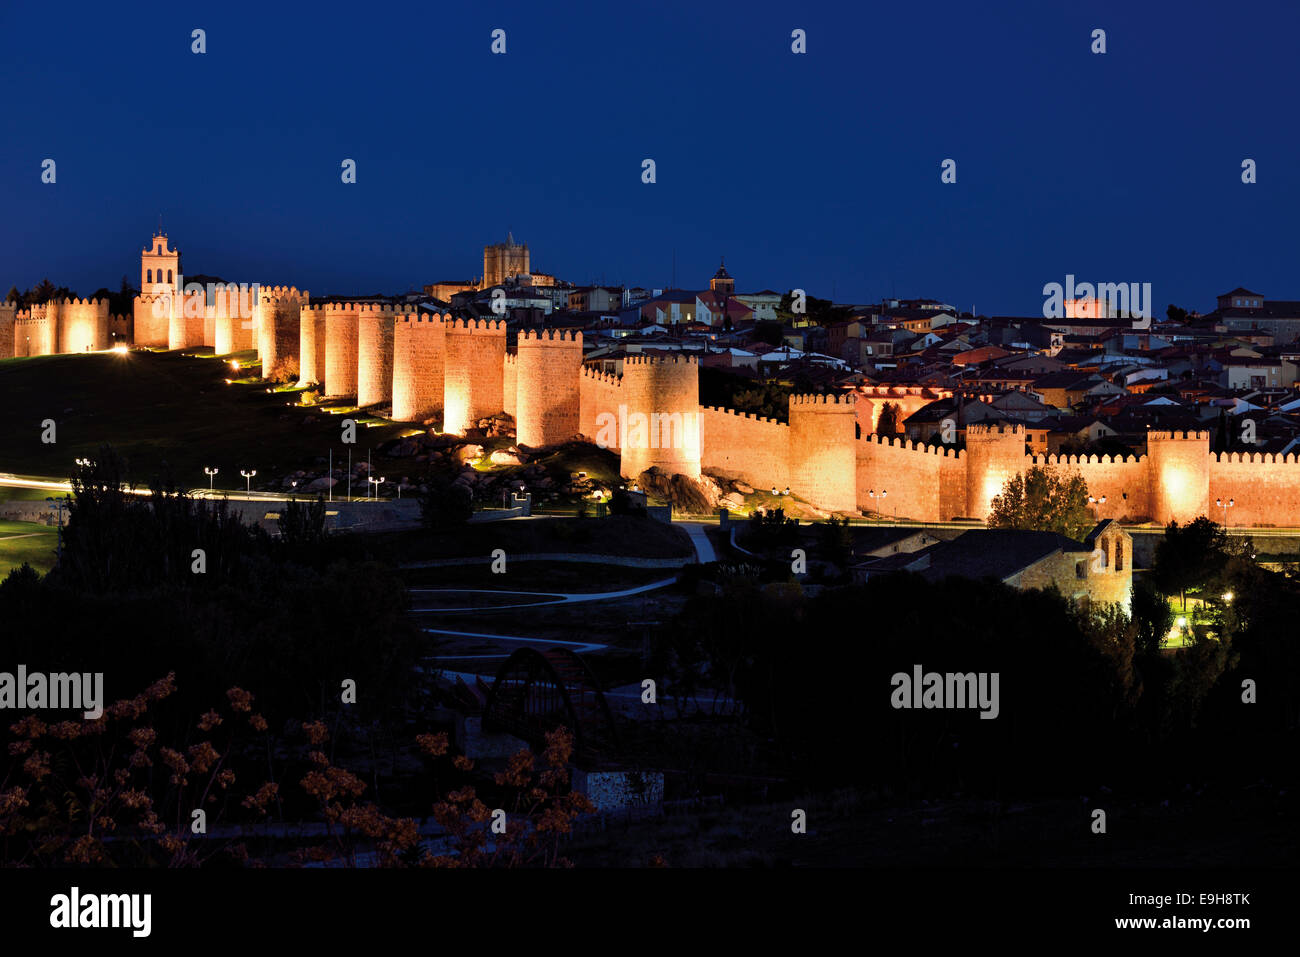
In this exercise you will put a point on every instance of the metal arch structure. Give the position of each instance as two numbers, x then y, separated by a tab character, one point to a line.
537	691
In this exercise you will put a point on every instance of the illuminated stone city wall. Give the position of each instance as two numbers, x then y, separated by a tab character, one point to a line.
741	445
662	396
547	403
418	367
83	325
598	393
823	465
279	324
311	344
473	373
8	313
341	324
375	354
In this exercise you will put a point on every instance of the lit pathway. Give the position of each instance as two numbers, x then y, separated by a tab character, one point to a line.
555	598
700	539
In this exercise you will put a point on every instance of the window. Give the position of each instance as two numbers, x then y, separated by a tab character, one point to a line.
1080	569
1119	554
169	275
1105	553
148	275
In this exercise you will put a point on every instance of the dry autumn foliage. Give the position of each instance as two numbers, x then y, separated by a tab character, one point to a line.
108	792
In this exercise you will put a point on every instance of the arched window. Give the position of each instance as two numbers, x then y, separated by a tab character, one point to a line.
148	275
169	275
1105	553
1119	554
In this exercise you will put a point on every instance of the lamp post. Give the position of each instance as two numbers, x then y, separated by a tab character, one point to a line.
883	494
211	474
248	480
376	482
1225	506
59	503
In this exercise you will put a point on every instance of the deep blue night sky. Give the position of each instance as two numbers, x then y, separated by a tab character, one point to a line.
819	171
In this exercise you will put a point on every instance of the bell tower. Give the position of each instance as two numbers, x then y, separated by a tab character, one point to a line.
160	267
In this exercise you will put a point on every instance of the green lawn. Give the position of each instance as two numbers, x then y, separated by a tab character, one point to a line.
165	407
26	542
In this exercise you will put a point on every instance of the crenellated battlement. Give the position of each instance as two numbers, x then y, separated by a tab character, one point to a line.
268	293
474	326
419	318
94	303
842	401
1177	436
752	417
676	358
382	309
1075	461
568	336
595	375
907	445
996	428
1254	458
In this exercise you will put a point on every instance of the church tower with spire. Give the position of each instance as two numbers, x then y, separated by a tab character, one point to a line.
722	283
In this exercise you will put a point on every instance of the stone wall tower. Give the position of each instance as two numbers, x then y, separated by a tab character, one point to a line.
994	454
823	450
8	313
662	414
279	331
1178	468
83	325
473	374
547	387
375	353
341	348
311	344
418	356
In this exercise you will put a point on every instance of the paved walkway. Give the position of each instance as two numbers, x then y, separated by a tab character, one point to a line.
703	547
553	598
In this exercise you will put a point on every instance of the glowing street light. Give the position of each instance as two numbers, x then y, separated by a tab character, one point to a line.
1225	506
1227	596
248	480
376	482
210	473
85	463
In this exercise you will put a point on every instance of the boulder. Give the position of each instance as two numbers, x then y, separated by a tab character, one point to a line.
502	457
468	453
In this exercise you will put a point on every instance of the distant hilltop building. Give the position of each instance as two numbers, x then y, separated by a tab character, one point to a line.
503	261
504	264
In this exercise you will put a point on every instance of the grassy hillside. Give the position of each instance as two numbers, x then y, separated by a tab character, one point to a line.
158	408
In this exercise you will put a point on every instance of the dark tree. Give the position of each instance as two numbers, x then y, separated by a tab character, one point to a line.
1042	500
1189	557
891	419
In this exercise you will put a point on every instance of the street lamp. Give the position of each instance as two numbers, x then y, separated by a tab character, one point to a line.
210	473
85	463
248	480
59	503
1096	501
883	494
1225	506
376	482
